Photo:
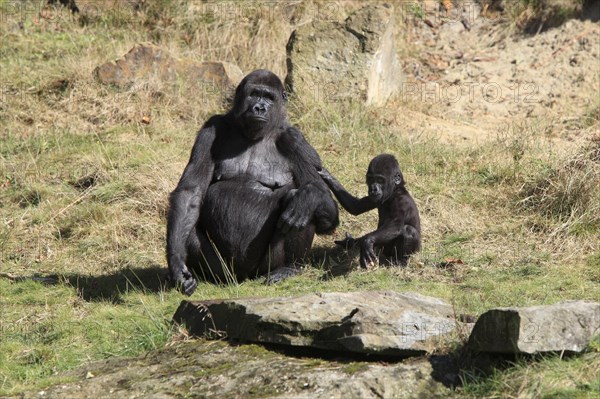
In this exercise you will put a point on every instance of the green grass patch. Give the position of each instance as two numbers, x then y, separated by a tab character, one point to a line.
546	377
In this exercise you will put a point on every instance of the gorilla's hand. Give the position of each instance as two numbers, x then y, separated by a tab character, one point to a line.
347	242
367	254
185	281
324	173
299	205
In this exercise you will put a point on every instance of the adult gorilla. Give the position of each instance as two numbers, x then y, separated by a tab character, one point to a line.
250	200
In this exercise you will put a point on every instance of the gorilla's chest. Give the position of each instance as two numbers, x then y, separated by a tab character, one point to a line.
261	163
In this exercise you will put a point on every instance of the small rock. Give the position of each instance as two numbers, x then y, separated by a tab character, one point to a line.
573	61
147	61
568	326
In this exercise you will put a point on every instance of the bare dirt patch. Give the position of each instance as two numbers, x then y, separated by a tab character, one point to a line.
472	74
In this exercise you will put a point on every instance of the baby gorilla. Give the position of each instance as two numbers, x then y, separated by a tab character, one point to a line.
399	228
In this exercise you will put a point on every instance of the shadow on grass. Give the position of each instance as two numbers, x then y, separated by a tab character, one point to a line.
108	287
465	367
153	279
334	262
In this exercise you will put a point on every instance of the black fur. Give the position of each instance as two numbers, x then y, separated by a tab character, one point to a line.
399	228
250	196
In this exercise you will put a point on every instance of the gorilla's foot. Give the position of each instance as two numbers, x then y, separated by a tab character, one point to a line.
281	273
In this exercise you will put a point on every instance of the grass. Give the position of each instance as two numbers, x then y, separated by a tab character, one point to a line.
548	377
84	185
534	16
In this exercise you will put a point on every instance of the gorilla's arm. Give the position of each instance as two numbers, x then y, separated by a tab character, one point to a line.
184	207
386	233
350	203
312	200
393	224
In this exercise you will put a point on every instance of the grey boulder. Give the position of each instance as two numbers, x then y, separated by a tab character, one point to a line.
567	326
381	323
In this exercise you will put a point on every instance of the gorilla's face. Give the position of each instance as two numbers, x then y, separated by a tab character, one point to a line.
383	176
259	105
377	185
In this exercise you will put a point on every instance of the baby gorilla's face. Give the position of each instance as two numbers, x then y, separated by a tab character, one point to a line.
383	176
377	186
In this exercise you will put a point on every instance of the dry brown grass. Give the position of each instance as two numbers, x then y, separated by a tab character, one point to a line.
568	192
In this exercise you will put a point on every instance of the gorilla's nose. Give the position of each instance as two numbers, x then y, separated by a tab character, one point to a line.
375	193
259	109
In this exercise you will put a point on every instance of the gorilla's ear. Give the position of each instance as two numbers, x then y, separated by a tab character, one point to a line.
398	179
284	95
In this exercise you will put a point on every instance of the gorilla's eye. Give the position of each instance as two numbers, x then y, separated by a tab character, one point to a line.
265	94
375	180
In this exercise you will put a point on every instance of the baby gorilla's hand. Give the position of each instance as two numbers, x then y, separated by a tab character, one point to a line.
346	243
324	173
367	253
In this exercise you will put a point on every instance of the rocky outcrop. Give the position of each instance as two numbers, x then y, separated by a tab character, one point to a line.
380	323
362	322
147	61
332	61
568	326
217	370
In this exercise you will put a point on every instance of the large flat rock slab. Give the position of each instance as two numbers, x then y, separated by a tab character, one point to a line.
567	326
213	369
379	323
